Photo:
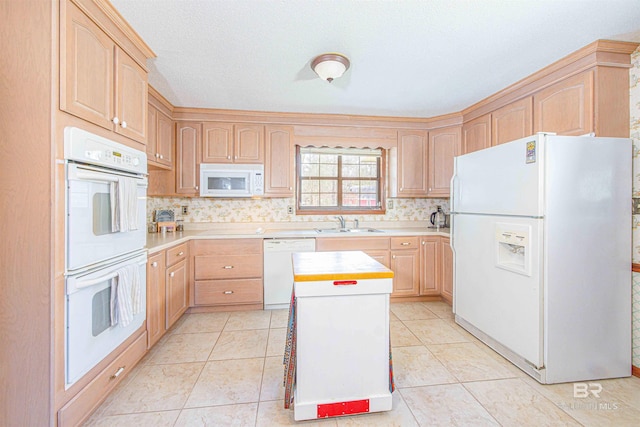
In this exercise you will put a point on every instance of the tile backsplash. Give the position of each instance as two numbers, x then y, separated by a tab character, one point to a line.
202	210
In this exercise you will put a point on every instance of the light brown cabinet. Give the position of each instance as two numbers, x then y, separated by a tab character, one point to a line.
411	164
167	290
156	295
188	143
444	145
405	263
99	82
429	278
279	161
160	139
513	121
476	134
232	143
227	272
566	107
446	269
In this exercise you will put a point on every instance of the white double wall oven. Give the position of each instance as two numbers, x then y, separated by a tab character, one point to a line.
105	267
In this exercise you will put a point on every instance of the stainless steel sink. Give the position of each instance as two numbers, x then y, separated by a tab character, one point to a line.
348	230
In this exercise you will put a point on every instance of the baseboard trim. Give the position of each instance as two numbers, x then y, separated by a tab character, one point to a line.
635	371
635	267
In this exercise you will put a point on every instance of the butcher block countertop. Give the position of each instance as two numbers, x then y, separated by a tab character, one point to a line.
157	241
343	265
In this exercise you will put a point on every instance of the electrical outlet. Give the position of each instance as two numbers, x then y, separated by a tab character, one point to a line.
290	210
389	204
635	206
185	210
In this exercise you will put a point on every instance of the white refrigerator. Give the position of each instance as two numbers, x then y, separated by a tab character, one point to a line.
541	235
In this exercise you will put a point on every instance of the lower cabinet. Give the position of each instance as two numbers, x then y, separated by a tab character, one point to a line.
227	272
420	264
446	269
405	263
429	277
167	290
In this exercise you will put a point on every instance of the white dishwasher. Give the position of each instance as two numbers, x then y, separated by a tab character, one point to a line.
278	269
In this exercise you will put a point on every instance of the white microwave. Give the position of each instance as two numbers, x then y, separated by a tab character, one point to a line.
231	180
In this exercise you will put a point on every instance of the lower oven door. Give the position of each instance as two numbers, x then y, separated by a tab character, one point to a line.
90	337
90	239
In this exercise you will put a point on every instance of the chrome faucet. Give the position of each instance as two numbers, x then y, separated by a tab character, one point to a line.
341	219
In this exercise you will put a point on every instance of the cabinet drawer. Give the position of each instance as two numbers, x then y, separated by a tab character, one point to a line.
176	254
226	247
412	242
228	292
352	244
227	266
78	408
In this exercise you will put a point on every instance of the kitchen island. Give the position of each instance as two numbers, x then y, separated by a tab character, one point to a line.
338	342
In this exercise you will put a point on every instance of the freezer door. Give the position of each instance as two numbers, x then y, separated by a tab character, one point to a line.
503	180
498	288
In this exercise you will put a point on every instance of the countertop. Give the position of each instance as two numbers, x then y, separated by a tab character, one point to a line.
158	241
348	265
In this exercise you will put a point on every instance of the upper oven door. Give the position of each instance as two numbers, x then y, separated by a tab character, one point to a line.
90	238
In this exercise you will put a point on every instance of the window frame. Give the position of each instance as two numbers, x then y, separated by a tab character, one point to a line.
332	210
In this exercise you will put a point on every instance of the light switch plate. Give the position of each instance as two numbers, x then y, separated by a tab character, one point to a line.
636	206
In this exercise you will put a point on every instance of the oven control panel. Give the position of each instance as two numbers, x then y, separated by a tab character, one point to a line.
85	147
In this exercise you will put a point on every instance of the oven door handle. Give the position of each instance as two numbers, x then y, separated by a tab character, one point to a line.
95	174
81	284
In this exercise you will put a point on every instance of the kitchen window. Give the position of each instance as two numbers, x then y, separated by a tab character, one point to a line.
340	180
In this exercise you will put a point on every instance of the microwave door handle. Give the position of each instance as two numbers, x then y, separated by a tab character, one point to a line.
80	284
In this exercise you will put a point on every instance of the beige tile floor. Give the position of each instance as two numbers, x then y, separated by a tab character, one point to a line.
225	369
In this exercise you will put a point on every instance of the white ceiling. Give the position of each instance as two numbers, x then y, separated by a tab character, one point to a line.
409	58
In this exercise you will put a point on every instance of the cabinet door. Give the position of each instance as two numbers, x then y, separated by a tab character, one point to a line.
279	161
187	158
177	292
155	298
476	134
513	121
566	107
412	163
406	270
249	144
428	266
444	145
446	269
152	135
164	132
217	145
86	68
131	98
383	257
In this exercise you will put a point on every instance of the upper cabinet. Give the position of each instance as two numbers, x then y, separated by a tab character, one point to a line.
513	121
279	161
187	170
476	134
232	143
100	82
160	139
412	164
566	107
444	145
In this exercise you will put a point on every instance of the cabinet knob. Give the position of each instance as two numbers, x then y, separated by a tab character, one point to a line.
116	120
180	253
228	267
172	274
157	155
423	242
161	156
405	244
228	157
154	264
401	189
124	124
290	188
429	188
227	292
196	187
235	157
393	256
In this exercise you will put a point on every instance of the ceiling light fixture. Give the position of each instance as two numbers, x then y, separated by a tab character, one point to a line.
330	66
